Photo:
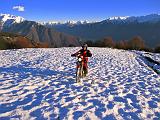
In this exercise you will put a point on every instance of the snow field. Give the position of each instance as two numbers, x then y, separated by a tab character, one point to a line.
40	84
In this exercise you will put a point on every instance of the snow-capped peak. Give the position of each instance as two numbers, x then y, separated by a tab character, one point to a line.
10	18
69	22
77	22
50	23
118	18
146	18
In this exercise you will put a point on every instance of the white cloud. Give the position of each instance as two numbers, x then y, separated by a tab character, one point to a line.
19	8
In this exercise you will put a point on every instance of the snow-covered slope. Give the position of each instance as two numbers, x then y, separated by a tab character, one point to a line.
40	84
8	19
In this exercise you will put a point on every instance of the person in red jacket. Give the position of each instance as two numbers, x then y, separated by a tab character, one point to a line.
85	53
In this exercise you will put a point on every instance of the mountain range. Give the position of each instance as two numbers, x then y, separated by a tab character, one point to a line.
117	19
59	34
36	32
119	28
50	23
140	19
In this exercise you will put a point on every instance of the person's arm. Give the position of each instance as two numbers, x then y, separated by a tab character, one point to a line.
75	54
89	54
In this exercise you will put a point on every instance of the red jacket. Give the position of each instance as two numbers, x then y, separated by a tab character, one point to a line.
84	53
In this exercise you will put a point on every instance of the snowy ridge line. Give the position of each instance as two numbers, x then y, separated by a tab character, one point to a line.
154	58
153	64
40	84
149	61
114	19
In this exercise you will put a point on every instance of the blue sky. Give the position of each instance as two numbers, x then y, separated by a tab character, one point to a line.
92	10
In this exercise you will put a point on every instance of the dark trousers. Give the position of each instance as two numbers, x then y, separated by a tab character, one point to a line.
85	68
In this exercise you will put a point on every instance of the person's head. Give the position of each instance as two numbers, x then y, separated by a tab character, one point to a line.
84	46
